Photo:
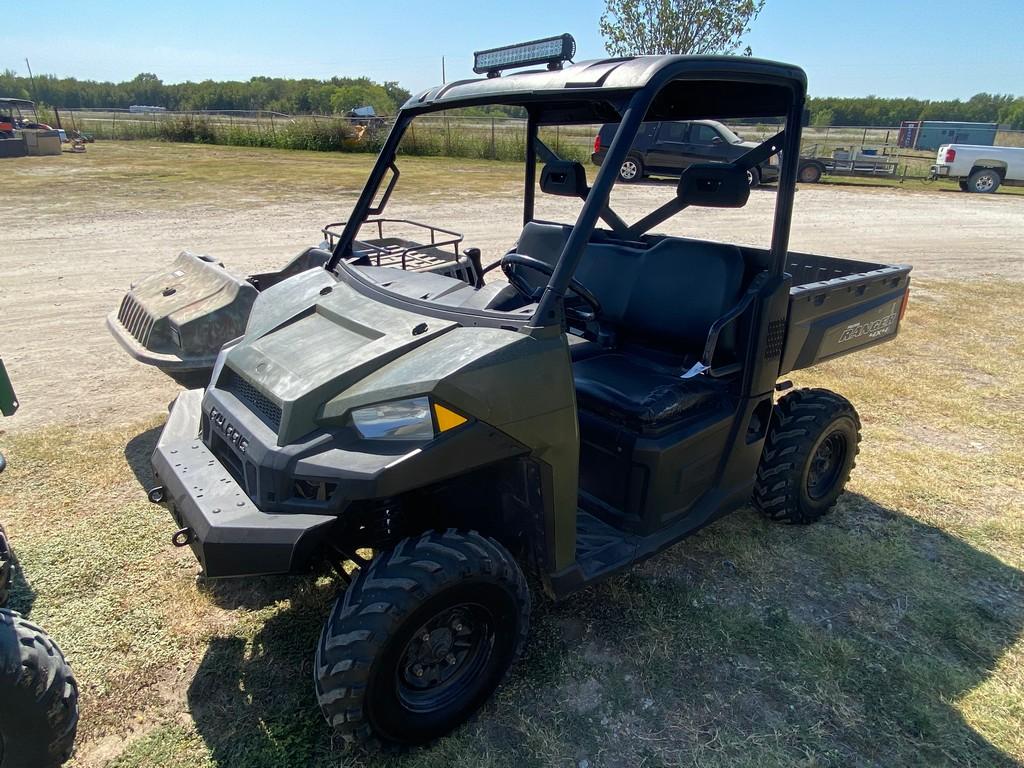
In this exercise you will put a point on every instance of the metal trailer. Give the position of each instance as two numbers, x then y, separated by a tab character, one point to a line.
856	161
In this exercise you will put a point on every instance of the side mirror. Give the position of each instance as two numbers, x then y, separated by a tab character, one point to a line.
566	178
713	185
717	140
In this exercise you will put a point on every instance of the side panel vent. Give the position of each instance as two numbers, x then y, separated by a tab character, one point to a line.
776	338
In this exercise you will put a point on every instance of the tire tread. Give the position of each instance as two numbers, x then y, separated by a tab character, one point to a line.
797	420
40	668
355	632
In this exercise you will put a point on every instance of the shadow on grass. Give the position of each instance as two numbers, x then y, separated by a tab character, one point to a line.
252	699
22	596
138	453
848	652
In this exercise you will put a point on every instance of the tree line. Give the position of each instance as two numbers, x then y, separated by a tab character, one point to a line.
1004	109
341	94
306	96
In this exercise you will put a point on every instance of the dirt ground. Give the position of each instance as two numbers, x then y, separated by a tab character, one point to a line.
890	633
64	268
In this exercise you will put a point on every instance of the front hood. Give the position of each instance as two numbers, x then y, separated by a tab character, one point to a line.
329	337
189	310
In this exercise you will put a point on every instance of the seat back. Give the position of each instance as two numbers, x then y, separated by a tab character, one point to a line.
665	292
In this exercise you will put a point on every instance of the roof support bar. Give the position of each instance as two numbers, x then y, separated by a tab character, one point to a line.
744	162
549	310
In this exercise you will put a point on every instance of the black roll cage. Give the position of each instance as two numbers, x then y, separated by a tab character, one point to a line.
633	107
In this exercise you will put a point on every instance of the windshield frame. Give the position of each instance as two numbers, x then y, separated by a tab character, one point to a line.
637	103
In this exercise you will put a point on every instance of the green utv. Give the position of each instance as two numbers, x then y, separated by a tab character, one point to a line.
614	393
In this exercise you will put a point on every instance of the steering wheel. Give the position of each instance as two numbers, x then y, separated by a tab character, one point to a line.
532	293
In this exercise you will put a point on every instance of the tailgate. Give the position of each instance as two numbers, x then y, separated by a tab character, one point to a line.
837	306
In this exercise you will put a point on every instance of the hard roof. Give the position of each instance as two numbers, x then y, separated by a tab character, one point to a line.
589	79
9	102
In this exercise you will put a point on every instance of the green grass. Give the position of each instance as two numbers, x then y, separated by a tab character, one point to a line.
118	175
887	634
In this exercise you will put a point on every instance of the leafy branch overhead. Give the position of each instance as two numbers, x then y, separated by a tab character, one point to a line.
639	27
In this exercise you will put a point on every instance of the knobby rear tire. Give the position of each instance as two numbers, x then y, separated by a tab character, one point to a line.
789	486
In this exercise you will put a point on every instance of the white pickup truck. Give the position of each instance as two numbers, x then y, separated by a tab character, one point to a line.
978	168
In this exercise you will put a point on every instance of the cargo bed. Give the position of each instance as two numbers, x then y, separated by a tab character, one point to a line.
837	306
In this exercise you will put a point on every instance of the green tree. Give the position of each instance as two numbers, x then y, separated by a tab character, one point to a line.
821	117
638	27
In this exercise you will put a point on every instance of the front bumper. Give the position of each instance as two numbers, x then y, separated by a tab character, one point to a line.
229	535
168	363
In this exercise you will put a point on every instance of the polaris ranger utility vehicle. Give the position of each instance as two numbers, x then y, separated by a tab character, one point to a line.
613	394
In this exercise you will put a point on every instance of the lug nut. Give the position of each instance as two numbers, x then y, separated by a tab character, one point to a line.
458	626
417	670
426	637
450	658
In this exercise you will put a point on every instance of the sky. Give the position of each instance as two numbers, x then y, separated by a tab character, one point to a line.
935	49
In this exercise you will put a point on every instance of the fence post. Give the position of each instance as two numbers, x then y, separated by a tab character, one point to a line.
558	135
494	147
447	136
864	138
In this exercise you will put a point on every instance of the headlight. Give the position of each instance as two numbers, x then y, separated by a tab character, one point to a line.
397	420
416	418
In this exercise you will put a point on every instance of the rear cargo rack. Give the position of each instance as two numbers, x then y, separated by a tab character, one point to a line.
441	254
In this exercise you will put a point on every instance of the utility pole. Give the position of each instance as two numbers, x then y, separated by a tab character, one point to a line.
443	80
31	77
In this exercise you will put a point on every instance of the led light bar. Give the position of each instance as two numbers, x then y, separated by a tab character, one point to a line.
550	50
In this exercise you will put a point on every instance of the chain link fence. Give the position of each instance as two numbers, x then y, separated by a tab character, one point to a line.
454	135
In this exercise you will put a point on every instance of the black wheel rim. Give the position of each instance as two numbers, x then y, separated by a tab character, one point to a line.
442	661
826	465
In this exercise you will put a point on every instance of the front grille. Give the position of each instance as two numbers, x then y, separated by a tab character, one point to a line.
268	411
135	319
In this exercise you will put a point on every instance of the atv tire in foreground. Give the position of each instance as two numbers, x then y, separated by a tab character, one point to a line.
811	448
421	639
38	697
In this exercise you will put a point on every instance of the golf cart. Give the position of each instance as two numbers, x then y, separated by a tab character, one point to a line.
614	393
22	134
178	318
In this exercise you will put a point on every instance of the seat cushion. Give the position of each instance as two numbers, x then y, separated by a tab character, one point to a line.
580	348
641	393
